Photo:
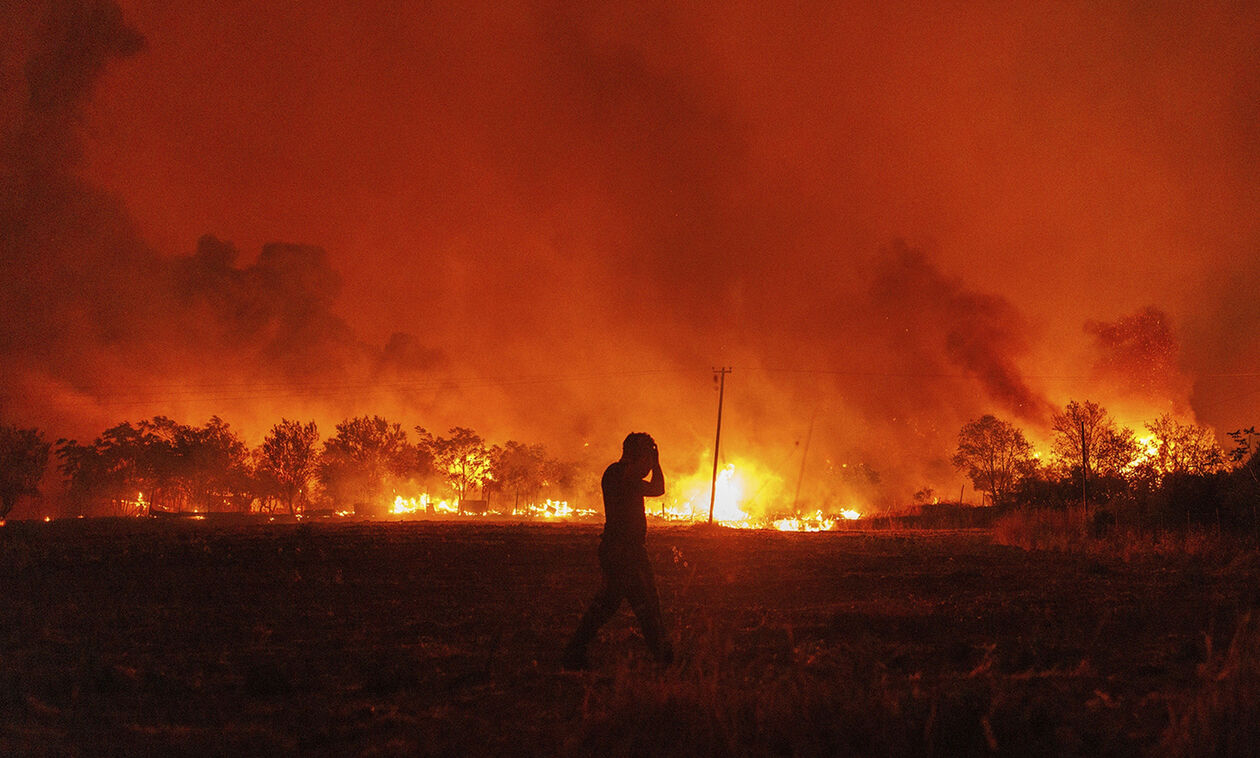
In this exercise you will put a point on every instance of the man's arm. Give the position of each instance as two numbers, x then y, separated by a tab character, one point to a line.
655	487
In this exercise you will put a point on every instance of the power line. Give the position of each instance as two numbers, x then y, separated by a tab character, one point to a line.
227	392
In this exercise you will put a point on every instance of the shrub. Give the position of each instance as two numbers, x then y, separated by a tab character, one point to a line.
1066	529
1222	716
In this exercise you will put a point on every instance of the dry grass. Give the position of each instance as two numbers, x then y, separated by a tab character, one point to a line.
1044	529
1221	715
798	698
439	639
808	701
1076	530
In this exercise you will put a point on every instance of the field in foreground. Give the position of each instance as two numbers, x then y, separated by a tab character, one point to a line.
140	637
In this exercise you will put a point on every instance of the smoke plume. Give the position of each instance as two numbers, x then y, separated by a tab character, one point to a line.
1138	357
549	222
98	325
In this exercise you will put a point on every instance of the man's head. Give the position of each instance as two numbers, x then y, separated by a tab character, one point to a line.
639	450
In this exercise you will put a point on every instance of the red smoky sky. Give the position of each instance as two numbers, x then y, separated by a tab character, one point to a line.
550	220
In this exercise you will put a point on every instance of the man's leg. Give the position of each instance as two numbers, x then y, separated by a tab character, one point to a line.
602	608
641	592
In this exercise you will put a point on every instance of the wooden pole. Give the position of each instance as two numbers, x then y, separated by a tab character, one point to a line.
720	375
1084	467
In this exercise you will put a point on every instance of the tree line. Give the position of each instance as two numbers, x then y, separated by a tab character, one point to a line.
1175	474
159	465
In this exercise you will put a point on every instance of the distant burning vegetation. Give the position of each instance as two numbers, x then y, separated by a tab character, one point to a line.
686	501
370	468
900	343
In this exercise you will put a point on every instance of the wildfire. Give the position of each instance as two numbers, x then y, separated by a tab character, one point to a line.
739	489
728	494
742	488
557	509
404	506
818	523
427	505
1147	452
746	496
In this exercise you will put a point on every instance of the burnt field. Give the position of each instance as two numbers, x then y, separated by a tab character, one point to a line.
140	637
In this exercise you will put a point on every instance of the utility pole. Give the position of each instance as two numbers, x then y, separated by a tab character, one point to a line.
1084	466
720	375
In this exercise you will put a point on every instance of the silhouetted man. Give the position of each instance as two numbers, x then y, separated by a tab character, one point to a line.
622	554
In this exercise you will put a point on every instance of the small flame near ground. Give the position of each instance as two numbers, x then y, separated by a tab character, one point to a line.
426	505
736	487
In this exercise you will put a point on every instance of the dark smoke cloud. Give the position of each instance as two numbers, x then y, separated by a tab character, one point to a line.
577	209
98	325
940	325
1138	357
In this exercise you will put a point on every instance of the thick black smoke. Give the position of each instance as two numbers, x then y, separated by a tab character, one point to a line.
938	325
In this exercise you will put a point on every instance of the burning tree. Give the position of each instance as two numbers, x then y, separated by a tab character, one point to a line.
289	459
117	468
160	462
462	457
210	465
519	469
23	458
1087	440
363	454
1177	448
994	455
560	476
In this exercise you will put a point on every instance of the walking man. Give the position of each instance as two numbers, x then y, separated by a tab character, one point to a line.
622	555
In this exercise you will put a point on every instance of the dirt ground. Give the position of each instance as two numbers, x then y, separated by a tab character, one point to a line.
127	637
